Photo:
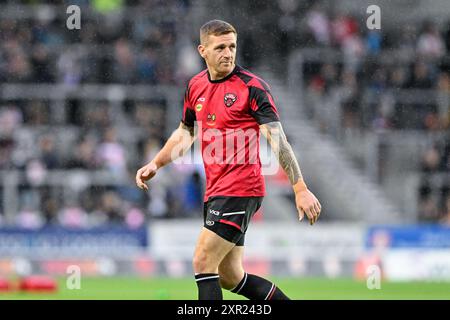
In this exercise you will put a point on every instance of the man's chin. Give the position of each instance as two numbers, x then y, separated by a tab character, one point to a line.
226	68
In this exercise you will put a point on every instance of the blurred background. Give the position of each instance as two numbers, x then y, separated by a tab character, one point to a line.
366	111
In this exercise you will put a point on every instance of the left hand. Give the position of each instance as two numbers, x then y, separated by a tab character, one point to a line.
306	202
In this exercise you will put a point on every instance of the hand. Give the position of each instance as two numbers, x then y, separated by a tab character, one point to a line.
307	202
144	174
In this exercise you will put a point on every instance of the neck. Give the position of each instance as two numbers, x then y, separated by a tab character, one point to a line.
213	75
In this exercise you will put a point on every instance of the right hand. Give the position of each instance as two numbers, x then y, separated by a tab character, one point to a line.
144	174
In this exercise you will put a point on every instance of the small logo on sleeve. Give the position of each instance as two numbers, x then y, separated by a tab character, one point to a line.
230	99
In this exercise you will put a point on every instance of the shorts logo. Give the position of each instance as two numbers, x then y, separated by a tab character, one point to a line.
209	223
230	99
214	212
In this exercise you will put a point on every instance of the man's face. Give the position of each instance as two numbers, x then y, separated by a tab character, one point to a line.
219	53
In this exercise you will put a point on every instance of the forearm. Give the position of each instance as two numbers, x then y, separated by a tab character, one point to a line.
176	146
288	161
285	155
305	200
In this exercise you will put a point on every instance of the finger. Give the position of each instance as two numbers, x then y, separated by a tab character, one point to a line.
310	214
139	182
312	208
301	214
307	216
146	173
318	209
315	214
138	176
143	186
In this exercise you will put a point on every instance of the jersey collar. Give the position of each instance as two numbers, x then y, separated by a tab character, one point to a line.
236	68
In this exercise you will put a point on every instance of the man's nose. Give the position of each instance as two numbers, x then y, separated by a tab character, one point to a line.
227	53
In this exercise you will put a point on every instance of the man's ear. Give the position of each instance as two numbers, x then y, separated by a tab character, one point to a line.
201	50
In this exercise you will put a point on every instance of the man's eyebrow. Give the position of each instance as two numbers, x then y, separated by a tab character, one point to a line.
223	45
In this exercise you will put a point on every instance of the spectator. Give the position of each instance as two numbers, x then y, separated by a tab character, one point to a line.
446	213
41	65
428	209
124	62
420	77
83	156
374	42
73	216
319	25
443	87
111	154
147	66
49	155
430	44
431	161
353	50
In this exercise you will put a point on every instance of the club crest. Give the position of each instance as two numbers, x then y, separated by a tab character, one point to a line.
229	99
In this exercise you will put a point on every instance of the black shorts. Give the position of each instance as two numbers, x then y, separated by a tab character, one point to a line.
229	217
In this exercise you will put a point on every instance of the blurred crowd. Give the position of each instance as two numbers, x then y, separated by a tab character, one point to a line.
388	79
434	190
79	171
112	45
61	166
374	68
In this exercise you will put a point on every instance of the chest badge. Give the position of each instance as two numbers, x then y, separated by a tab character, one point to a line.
229	99
211	119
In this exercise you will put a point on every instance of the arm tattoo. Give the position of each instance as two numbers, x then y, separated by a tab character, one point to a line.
283	150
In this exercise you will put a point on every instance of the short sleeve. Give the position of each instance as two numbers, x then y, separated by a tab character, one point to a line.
262	106
188	117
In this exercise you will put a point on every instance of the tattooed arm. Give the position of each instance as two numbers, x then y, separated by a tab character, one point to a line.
274	133
176	146
305	200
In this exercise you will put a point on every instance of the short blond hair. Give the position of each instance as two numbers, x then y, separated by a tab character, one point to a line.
216	28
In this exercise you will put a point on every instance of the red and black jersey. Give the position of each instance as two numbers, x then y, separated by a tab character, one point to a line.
228	113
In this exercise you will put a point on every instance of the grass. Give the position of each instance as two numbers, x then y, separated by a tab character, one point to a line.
123	288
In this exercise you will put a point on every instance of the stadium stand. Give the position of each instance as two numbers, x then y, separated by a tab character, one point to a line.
88	105
117	93
384	95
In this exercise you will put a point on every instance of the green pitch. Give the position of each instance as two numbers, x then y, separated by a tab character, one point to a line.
185	289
